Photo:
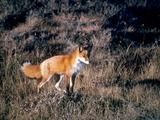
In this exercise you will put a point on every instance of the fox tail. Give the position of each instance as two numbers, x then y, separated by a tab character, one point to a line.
31	71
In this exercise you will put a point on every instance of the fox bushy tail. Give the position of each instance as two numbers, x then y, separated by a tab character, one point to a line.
31	71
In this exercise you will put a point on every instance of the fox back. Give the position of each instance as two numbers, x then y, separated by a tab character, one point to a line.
65	64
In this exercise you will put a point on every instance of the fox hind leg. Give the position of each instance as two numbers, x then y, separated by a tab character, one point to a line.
44	80
58	83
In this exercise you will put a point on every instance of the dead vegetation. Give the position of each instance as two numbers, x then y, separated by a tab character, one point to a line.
123	78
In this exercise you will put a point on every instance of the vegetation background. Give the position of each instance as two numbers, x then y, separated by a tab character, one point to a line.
123	78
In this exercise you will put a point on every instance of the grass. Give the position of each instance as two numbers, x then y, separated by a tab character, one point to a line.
99	93
122	80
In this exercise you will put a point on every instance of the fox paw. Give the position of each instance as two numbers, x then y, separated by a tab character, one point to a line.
58	88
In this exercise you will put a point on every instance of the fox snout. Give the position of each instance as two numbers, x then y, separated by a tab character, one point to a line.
83	60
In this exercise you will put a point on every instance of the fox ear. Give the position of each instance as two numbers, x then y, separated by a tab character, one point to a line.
80	48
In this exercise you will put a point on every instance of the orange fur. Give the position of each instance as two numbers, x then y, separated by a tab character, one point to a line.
32	71
67	65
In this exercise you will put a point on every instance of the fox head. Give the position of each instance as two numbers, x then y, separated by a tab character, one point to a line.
84	53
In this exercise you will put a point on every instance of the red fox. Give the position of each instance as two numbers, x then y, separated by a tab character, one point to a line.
67	66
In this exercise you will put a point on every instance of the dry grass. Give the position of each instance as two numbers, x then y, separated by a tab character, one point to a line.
121	82
29	25
99	94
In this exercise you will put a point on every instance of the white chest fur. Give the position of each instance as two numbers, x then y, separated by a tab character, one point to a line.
77	67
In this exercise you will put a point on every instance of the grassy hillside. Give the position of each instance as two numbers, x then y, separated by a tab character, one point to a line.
122	80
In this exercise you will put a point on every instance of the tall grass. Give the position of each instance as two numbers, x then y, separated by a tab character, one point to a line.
109	89
121	81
